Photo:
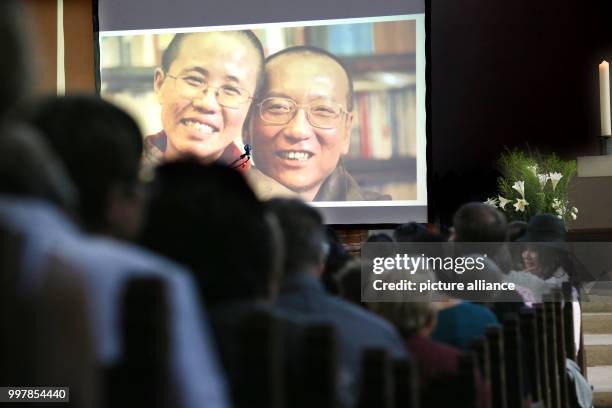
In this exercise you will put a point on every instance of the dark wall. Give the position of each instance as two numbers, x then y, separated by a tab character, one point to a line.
507	74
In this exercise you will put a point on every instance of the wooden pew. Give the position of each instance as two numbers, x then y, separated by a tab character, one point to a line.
466	392
498	368
261	354
513	362
557	302
377	389
318	387
15	360
552	353
481	348
406	385
568	321
531	353
142	378
543	345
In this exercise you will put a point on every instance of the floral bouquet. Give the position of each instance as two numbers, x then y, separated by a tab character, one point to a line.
530	185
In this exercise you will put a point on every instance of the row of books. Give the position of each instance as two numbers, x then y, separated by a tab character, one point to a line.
397	37
384	124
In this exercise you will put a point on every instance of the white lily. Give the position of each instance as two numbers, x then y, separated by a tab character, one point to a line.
520	187
502	202
556	203
543	178
554	178
574	213
520	204
534	169
491	201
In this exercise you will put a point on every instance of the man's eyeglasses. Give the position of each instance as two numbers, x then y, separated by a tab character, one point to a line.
227	95
320	114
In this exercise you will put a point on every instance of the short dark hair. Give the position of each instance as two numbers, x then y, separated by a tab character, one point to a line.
309	50
99	144
171	52
28	168
304	234
14	67
208	218
479	222
410	232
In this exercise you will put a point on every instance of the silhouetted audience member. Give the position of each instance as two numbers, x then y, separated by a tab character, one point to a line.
460	322
349	282
481	223
47	320
478	222
28	168
546	262
302	292
336	259
410	232
515	230
380	237
15	64
101	267
208	218
415	319
100	146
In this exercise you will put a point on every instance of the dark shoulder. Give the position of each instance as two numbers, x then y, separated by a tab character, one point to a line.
472	310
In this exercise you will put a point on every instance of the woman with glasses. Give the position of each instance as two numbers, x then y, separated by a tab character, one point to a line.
300	127
205	86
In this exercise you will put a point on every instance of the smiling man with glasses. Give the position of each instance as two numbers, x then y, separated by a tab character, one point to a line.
301	126
205	87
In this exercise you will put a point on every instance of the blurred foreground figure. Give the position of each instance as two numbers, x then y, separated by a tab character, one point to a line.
14	65
34	194
208	218
100	146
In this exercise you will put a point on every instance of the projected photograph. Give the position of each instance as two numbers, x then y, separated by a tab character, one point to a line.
330	111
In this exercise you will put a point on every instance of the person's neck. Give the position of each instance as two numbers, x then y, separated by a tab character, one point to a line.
307	271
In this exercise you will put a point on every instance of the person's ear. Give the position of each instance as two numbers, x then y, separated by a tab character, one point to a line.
124	210
158	81
348	126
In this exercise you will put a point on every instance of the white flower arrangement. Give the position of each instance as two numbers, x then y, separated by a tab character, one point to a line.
543	179
520	204
520	187
555	178
491	201
503	202
525	185
533	168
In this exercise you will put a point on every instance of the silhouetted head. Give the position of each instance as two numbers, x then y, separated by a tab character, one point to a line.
304	236
479	222
207	218
100	146
14	65
29	169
